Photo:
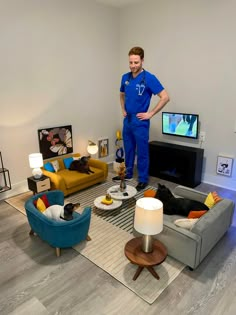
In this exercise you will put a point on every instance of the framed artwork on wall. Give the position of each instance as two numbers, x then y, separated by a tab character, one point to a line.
224	165
55	141
103	148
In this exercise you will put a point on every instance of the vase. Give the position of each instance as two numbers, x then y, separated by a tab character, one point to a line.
122	185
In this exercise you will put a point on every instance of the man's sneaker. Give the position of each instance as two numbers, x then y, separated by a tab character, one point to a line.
118	179
141	186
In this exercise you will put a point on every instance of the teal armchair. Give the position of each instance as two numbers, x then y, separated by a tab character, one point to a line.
59	234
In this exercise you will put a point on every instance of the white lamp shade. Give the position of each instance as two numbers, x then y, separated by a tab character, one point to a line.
35	160
148	217
92	148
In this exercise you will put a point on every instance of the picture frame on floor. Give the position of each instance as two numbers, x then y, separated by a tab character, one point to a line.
224	165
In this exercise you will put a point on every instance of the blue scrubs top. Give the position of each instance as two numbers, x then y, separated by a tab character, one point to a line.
138	91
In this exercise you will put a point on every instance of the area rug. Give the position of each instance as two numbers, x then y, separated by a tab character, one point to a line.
110	231
18	201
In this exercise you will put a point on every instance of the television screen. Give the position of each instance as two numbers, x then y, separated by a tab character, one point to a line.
180	124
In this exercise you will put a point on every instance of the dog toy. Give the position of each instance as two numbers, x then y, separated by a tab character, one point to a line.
107	200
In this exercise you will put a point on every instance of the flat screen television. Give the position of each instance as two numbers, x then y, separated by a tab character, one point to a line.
180	124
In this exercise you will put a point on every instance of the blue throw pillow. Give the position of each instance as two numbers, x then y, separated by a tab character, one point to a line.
48	167
67	162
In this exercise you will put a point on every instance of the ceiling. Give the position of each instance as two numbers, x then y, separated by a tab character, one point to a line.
118	3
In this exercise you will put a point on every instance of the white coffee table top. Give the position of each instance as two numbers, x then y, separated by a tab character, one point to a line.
115	192
98	204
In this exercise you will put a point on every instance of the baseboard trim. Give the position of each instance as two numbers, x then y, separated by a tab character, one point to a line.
16	189
220	180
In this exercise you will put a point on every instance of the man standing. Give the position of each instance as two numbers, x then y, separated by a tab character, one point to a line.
136	90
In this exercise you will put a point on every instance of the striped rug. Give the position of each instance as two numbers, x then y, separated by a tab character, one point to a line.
121	217
110	231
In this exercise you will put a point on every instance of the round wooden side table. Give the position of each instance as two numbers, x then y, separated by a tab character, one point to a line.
135	254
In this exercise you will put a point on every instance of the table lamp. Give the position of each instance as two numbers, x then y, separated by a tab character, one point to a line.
35	162
148	220
92	148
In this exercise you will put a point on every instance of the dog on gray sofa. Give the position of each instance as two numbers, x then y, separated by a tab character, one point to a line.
81	165
179	206
61	213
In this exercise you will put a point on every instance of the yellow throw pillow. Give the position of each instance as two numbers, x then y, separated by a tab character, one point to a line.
40	205
212	199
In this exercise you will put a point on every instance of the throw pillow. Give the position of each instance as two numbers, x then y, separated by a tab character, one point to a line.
45	200
39	204
67	162
149	193
196	214
212	199
185	223
48	167
55	165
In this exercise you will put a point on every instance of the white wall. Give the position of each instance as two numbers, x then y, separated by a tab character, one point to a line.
190	46
61	62
58	62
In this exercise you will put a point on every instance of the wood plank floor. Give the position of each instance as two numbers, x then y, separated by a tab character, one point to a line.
34	281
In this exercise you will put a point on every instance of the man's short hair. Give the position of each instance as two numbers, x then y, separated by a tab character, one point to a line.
137	51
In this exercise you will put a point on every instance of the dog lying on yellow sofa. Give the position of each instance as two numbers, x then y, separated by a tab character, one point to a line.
81	165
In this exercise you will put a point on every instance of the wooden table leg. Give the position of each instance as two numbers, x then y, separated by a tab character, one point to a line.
31	232
153	272
137	273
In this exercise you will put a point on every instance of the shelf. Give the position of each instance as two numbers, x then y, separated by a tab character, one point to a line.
3	169
4	188
5	181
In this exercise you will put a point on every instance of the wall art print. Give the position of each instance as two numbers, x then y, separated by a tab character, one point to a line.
55	141
224	165
103	148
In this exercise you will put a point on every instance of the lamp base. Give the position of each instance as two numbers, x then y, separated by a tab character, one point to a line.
147	246
37	173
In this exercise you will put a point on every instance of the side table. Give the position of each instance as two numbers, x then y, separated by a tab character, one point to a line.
39	185
135	254
115	192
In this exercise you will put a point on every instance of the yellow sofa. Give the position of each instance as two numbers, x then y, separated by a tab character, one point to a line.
73	181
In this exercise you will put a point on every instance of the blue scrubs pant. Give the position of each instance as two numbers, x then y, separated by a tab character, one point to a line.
136	137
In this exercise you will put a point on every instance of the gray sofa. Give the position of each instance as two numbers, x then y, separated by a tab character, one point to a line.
192	246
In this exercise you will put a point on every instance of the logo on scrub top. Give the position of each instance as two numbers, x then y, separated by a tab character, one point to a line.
140	88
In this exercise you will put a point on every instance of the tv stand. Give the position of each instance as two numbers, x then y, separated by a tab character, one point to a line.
176	163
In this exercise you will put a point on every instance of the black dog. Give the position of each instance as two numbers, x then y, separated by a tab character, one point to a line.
69	208
81	165
180	206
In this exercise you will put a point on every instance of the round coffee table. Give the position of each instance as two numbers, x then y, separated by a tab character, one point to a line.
98	204
135	254
128	193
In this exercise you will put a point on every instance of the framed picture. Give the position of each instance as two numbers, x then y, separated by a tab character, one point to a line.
103	148
55	141
224	165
